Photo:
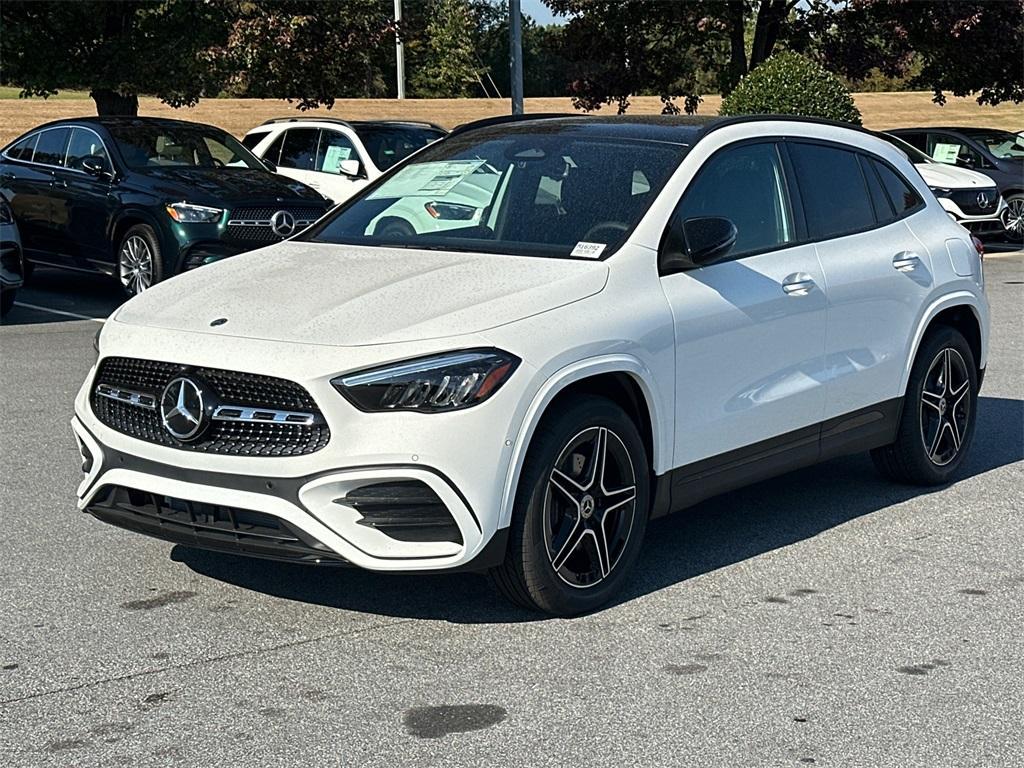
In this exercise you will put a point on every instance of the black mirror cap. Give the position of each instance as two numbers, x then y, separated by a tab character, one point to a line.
696	242
94	165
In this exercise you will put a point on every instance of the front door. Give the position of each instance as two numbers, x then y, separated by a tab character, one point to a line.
750	331
82	205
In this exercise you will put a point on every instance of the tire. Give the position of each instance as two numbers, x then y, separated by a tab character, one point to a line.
939	413
140	263
393	227
7	301
1013	217
606	504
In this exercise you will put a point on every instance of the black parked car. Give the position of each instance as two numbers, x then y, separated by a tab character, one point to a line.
12	268
145	198
998	154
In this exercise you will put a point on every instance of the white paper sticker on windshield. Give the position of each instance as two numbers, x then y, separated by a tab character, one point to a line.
946	153
588	250
435	179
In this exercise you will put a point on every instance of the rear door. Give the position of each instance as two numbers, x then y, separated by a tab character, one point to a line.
297	158
878	273
33	189
750	331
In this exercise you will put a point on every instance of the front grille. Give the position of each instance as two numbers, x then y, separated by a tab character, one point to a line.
253	224
211	526
146	379
967	201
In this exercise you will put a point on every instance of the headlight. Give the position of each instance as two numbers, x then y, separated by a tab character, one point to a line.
446	382
6	214
941	191
450	211
186	213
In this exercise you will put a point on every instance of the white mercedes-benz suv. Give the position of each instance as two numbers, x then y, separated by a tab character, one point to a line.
649	311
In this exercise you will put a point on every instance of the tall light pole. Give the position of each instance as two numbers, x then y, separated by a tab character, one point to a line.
399	52
515	56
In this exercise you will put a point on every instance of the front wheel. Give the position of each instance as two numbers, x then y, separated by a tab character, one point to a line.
1013	217
939	412
580	512
139	260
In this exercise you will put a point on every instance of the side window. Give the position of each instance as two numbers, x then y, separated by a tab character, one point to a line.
879	199
85	143
24	149
903	196
835	197
250	140
746	185
50	149
953	151
334	148
299	149
917	140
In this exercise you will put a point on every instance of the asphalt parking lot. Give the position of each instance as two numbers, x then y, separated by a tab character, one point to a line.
825	617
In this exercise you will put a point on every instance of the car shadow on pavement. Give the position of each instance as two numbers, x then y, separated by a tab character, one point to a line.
89	295
714	534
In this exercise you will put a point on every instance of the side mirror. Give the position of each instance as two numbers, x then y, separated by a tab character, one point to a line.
350	168
696	242
94	165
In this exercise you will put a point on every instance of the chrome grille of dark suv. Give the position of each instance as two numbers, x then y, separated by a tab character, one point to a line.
253	224
244	390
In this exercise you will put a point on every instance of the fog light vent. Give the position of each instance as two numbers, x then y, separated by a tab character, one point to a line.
406	510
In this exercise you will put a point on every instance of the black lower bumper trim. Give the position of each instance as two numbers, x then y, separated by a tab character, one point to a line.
208	526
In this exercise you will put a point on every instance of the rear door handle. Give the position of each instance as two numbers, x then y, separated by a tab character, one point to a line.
905	261
799	284
59	183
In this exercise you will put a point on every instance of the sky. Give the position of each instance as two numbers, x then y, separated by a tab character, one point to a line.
540	12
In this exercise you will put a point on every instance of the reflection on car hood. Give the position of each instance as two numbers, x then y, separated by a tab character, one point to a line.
951	177
226	186
350	296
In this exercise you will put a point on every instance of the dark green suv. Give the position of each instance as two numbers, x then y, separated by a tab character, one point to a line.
145	198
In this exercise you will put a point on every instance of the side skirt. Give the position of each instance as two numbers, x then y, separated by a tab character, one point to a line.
853	432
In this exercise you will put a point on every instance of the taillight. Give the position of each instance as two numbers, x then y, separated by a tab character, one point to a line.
978	246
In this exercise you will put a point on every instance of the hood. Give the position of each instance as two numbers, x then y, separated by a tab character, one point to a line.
314	293
228	186
952	177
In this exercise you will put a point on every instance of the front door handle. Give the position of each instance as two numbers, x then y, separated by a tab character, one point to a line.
798	284
905	261
59	183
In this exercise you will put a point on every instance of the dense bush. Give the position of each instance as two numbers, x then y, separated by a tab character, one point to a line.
790	84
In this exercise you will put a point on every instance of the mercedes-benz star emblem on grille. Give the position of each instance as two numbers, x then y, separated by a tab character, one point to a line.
182	410
983	201
282	223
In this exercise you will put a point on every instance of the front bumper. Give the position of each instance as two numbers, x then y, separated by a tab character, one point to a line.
463	458
978	224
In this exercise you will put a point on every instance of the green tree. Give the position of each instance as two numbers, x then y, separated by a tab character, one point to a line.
114	50
449	66
791	84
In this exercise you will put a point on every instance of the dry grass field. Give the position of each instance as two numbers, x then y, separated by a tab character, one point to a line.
880	110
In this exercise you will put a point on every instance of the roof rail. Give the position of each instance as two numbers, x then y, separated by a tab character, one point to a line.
722	122
337	120
501	119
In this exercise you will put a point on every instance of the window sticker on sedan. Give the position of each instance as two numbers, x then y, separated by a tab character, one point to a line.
427	179
588	250
946	153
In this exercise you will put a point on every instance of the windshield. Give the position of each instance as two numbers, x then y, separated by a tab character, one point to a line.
913	153
387	144
157	145
543	191
1002	144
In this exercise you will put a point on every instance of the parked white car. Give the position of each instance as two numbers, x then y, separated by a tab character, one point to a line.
337	157
971	198
648	312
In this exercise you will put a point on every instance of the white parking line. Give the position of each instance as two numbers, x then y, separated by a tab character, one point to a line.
60	312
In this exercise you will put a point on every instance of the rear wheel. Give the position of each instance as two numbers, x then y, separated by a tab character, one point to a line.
139	261
939	411
1013	217
580	512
